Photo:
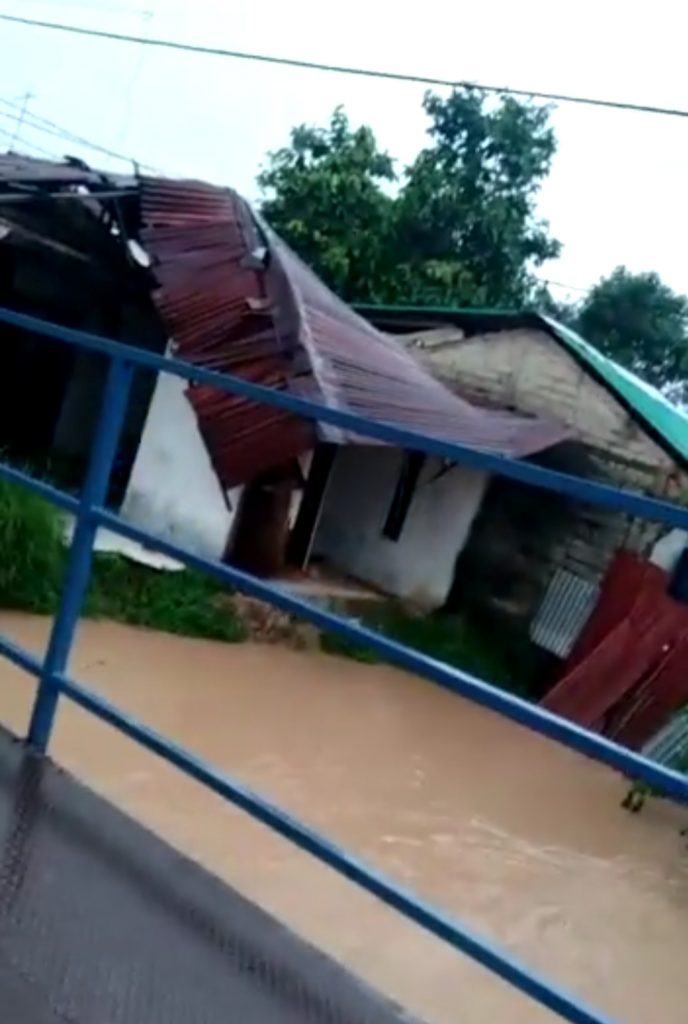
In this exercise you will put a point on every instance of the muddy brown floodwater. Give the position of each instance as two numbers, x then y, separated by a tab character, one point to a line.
513	834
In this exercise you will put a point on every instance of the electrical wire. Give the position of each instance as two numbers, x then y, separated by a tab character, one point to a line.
43	124
560	284
65	136
217	51
24	145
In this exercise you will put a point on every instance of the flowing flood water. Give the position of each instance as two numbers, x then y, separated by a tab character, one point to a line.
518	837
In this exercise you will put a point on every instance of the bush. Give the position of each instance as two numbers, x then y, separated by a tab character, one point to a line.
32	552
33	557
185	602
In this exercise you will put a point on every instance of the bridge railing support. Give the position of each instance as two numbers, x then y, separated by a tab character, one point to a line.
78	571
90	513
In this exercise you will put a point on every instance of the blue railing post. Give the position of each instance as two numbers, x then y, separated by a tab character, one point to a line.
90	513
93	493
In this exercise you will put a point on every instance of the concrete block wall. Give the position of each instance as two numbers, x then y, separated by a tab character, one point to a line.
528	371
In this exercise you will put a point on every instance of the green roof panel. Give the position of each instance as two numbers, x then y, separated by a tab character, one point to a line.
666	419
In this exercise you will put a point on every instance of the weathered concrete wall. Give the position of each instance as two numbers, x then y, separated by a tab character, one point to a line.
173	490
419	566
529	372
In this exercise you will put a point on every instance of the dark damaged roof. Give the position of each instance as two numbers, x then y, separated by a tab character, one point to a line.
234	298
663	421
25	172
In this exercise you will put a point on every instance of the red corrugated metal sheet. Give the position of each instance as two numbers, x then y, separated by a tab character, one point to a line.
363	370
215	304
629	671
235	298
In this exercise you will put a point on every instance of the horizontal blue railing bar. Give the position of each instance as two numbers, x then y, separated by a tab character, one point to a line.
20	657
54	495
574	487
673	784
462	683
433	920
89	512
459	936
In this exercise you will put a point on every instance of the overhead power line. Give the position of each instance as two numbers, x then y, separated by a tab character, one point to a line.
393	76
24	145
47	127
38	125
560	284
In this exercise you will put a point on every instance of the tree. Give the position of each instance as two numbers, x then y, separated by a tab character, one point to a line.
562	310
327	200
642	324
458	227
467	227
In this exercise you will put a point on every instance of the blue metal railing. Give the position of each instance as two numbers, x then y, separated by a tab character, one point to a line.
90	514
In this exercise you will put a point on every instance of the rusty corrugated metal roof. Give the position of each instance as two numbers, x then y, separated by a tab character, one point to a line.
235	298
214	301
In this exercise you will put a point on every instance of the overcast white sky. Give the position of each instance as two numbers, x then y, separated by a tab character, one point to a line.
617	192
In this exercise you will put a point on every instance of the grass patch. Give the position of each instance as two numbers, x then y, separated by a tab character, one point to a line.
447	637
33	558
32	553
186	602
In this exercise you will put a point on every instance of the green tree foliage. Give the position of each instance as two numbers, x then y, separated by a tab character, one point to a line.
642	324
467	231
563	310
327	199
457	227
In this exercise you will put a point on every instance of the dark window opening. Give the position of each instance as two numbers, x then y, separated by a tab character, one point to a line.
400	504
303	532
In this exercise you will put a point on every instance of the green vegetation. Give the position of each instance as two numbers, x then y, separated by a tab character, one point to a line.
32	553
447	637
671	751
459	226
33	559
185	602
640	322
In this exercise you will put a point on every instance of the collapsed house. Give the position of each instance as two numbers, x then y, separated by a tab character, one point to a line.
186	268
534	558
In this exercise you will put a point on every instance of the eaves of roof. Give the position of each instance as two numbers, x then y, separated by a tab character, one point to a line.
664	422
234	297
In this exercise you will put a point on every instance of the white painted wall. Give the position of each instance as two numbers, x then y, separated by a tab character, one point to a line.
418	567
173	490
668	549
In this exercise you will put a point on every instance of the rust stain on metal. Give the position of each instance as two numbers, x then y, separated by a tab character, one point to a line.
236	299
215	303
